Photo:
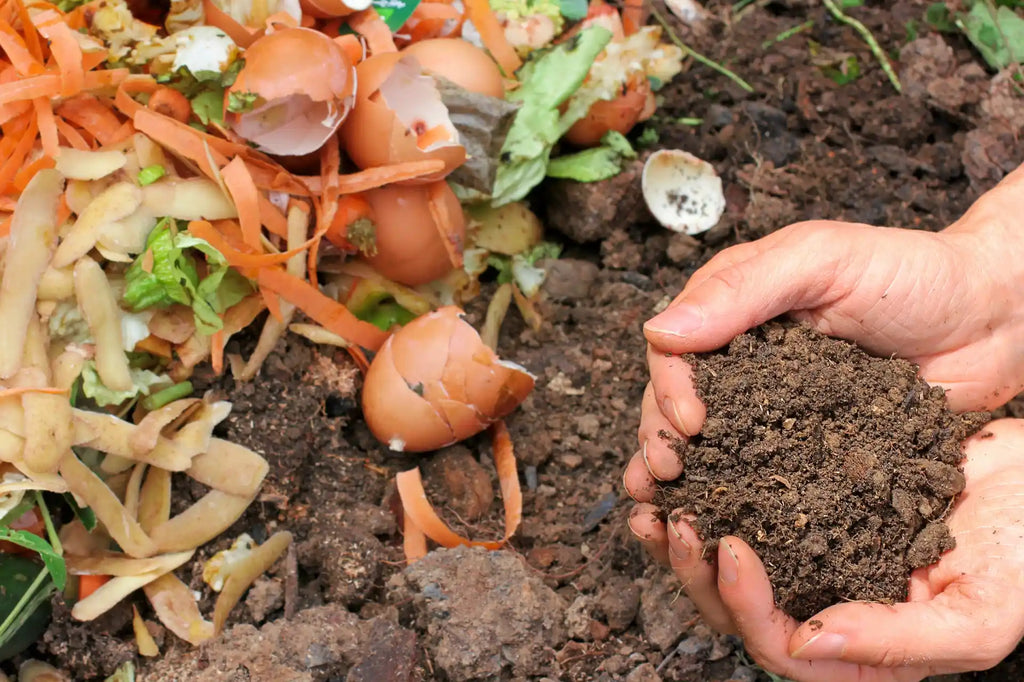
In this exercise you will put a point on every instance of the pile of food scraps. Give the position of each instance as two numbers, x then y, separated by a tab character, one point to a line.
171	175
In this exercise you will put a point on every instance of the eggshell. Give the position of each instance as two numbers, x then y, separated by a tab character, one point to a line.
682	192
306	88
329	9
411	246
374	134
461	62
434	383
619	114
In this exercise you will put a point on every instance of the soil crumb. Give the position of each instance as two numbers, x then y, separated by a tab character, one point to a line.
835	466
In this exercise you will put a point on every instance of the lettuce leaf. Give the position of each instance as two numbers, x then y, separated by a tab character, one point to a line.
167	272
143	383
547	80
593	165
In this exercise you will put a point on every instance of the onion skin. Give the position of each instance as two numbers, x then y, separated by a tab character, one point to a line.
619	114
434	382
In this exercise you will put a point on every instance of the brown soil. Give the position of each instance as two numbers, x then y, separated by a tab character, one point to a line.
575	598
835	466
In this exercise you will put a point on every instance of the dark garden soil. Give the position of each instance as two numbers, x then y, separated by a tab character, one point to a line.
574	597
837	467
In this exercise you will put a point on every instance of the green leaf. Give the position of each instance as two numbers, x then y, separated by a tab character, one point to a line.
209	106
124	673
240	102
548	80
847	72
938	18
573	10
150	174
84	514
998	35
54	562
17	511
143	383
848	4
595	164
25	611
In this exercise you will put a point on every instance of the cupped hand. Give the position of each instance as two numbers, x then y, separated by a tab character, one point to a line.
963	613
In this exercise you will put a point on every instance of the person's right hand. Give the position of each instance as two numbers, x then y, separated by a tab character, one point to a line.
951	302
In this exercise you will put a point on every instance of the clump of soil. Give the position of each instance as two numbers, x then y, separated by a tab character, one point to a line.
835	466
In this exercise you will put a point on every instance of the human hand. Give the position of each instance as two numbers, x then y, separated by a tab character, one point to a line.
963	613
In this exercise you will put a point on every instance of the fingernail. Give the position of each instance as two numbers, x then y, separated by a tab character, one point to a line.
647	464
681	549
626	487
679	321
729	569
671	410
822	645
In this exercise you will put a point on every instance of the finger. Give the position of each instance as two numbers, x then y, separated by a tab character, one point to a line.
698	576
962	634
646	524
745	294
659	439
766	630
637	479
721	260
674	392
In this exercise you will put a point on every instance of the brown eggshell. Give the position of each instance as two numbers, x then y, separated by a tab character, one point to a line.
374	136
619	114
330	9
438	360
410	246
461	62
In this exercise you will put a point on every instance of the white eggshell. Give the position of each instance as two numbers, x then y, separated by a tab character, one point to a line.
203	48
682	192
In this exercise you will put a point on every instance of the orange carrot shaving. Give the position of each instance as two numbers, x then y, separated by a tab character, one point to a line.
25	174
351	208
21	390
17	51
238	258
369	24
17	156
133	85
273	302
171	103
154	345
371	178
246	197
323	310
92	115
66	51
28	31
419	512
87	584
179	139
433	20
634	15
493	36
217	352
414	542
359	357
445	223
47	126
71	136
43	85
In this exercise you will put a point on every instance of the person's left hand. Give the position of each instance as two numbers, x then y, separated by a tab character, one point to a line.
964	613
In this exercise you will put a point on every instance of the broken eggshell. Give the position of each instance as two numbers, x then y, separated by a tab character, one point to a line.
330	9
434	382
399	117
304	87
418	232
683	193
461	62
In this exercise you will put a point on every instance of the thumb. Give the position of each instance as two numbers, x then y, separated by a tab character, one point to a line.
725	300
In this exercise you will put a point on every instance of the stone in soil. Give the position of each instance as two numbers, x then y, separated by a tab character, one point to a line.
835	466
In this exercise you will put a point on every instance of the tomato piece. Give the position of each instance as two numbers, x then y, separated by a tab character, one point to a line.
32	521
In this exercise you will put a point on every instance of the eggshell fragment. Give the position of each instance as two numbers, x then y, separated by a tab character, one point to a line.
399	117
329	9
304	86
419	232
683	193
434	383
461	62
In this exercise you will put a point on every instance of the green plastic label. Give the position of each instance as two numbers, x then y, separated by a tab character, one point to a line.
395	12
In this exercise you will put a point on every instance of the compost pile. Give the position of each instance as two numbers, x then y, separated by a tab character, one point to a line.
837	467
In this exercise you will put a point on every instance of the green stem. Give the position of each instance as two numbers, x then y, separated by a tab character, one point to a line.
50	530
25	598
787	34
167	395
697	56
873	45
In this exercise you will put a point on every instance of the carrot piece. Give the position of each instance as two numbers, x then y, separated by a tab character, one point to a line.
171	103
246	198
634	15
71	136
420	512
105	78
18	154
272	218
359	357
26	172
217	352
179	139
351	208
133	85
21	390
430	19
17	51
154	345
47	126
273	302
445	223
28	31
238	258
351	46
414	542
92	115
493	36
87	584
65	50
43	85
371	178
93	58
369	24
323	310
